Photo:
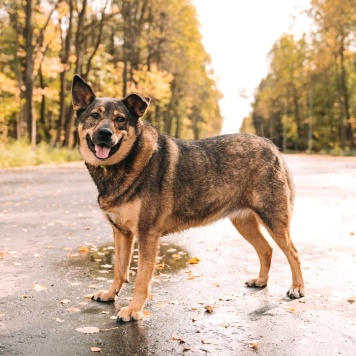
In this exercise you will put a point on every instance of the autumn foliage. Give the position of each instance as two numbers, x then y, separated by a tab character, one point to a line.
308	99
152	47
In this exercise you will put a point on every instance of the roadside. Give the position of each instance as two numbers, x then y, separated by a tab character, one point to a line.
56	249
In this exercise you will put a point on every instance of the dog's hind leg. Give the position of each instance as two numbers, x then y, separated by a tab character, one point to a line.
248	226
281	234
123	253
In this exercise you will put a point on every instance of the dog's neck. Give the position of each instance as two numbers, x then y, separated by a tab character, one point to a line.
114	180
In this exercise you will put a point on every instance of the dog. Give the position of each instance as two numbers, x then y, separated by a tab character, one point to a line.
151	185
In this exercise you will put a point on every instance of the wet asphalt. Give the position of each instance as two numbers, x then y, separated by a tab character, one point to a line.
56	250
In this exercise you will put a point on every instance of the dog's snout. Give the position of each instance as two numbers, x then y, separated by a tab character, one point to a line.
105	133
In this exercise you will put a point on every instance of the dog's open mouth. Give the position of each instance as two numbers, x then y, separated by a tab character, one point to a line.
102	150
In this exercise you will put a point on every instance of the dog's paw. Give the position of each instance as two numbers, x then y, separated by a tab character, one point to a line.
296	292
103	296
256	283
127	314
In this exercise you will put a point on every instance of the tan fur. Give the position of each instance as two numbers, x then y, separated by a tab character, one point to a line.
151	185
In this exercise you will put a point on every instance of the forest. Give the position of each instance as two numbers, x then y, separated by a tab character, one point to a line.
152	47
307	101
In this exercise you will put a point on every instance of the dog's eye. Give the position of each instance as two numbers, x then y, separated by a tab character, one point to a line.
95	115
120	119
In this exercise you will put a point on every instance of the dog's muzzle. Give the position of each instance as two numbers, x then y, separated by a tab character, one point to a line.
101	144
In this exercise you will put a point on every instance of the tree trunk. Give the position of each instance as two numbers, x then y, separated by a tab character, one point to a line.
65	52
345	94
28	78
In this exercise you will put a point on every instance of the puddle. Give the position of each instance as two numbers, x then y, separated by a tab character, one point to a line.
99	260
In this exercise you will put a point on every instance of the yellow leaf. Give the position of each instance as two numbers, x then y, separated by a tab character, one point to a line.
83	249
194	261
88	296
160	265
352	300
146	314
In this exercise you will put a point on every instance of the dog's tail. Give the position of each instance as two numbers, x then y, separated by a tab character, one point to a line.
290	183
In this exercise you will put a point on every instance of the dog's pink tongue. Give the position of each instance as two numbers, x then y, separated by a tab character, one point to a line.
102	151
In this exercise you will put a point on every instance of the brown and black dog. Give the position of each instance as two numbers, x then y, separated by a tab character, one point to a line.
151	185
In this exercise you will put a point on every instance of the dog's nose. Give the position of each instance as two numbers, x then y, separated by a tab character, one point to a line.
104	133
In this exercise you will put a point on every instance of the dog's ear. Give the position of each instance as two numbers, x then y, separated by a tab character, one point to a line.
136	104
82	94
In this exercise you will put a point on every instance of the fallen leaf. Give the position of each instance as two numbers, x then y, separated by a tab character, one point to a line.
88	330
93	286
104	312
160	265
88	296
2	254
73	310
206	341
209	308
95	349
65	301
83	249
253	344
175	302
291	310
106	266
352	300
39	288
176	338
194	261
146	314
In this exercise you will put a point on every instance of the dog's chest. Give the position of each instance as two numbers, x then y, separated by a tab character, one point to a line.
124	217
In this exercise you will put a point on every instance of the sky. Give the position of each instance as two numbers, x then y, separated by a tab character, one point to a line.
238	36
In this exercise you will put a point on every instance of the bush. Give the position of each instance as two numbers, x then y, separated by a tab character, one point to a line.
20	153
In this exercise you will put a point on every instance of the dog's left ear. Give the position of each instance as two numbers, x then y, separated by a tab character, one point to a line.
136	104
82	94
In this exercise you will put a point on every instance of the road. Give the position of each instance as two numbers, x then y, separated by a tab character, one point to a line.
56	249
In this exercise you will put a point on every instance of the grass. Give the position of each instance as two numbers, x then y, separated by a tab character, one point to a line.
20	153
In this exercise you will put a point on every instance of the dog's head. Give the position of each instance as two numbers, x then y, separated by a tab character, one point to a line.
107	128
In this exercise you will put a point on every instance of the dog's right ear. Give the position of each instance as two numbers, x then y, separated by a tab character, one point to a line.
82	94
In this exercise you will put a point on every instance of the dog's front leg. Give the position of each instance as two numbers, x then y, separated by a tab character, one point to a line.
147	253
123	253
